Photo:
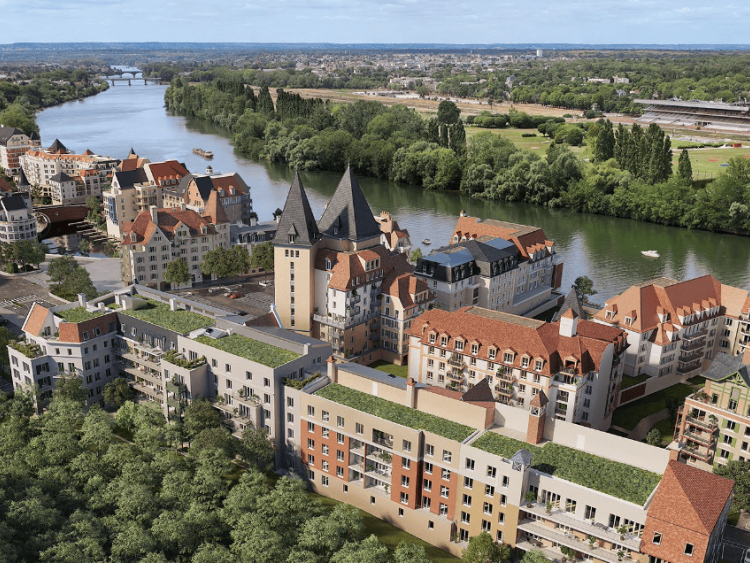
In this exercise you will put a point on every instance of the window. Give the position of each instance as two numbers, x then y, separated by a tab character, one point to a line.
359	429
487	508
289	402
444	491
445	474
427	485
406	446
249	377
430	524
310	410
427	467
339	472
503	500
506	481
570	505
470	464
325	465
405	463
491	471
325	449
339	455
657	539
326	416
465	518
443	509
404	481
372	500
310	444
429	450
311	427
447	456
468	482
589	513
324	480
689	549
339	438
731	424
310	460
340	421
489	490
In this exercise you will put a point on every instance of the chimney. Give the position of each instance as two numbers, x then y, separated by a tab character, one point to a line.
333	374
209	170
277	218
537	418
172	304
411	393
101	306
462	214
82	299
154	215
569	324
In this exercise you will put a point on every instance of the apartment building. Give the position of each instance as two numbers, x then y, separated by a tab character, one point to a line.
172	350
446	466
714	423
675	329
158	236
17	221
13	144
482	272
136	189
335	280
573	364
195	192
253	234
530	289
90	171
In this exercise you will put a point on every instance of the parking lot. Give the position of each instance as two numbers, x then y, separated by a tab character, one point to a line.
17	295
255	298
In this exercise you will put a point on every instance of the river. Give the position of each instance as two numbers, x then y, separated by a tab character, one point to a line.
606	249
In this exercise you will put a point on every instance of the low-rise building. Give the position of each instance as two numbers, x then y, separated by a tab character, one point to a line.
714	423
13	144
675	329
525	288
158	236
573	364
447	466
17	221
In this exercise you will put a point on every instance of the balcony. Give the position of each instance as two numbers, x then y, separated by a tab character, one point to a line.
329	321
504	390
572	541
690	356
697	335
382	439
702	423
701	438
698	452
505	374
694	345
456	360
690	368
455	375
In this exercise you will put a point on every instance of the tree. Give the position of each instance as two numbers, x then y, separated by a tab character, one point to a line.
410	553
685	167
739	471
584	287
70	387
369	550
534	556
200	415
117	392
28	252
653	438
604	146
415	255
95	210
264	104
84	247
482	549
448	113
177	272
225	263
5	337
257	447
69	279
262	257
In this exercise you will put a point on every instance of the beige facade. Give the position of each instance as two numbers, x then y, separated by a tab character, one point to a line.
92	171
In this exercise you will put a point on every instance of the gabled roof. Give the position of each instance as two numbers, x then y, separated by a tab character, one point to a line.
297	218
61	177
15	202
571	303
690	498
5	186
36	319
169	220
526	238
726	365
57	146
348	215
7	132
480	393
128	178
215	209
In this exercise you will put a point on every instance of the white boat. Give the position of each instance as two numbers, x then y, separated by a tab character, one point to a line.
426	241
650	253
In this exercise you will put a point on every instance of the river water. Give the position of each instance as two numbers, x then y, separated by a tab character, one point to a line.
606	249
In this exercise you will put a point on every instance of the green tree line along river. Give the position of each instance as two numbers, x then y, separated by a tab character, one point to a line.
630	174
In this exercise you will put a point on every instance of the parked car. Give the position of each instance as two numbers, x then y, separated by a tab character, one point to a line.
235	295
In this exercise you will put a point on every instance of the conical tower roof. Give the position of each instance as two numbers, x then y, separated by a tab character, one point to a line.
297	225
348	215
57	146
571	303
23	180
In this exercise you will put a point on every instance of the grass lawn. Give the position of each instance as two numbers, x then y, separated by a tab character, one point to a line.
666	428
698	381
392	536
538	144
629	380
708	162
631	414
393	369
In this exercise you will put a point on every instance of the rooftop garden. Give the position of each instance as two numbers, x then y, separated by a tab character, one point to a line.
244	347
161	315
78	315
28	350
174	357
300	383
394	412
610	477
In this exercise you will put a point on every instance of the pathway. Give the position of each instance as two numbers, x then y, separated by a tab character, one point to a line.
639	432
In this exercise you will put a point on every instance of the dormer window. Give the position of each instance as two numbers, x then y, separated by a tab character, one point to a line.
508	357
474	349
459	344
432	338
444	341
292	238
525	360
493	353
133	237
538	365
328	264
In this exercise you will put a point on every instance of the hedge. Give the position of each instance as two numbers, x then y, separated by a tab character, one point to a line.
394	412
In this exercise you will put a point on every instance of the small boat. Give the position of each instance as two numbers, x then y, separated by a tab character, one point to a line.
206	154
650	253
426	241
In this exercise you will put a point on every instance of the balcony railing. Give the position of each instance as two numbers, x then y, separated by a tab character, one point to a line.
697	335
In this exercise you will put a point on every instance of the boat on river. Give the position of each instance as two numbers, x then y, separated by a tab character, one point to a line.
426	241
206	154
650	253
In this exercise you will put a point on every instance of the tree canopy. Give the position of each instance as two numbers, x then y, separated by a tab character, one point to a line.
68	279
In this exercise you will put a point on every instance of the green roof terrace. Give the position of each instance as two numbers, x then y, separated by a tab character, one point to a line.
244	347
79	314
594	472
159	314
394	412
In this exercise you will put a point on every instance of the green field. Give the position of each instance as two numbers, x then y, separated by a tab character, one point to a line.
538	144
708	162
393	369
666	429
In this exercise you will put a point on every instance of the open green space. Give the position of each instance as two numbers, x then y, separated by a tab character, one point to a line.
395	413
630	380
393	369
390	535
161	315
666	429
588	470
266	354
698	380
628	416
709	162
78	315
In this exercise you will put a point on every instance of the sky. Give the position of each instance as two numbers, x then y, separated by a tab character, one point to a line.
376	21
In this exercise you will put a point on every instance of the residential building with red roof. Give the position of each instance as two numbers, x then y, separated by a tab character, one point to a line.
335	279
158	236
195	191
675	329
573	363
394	238
475	268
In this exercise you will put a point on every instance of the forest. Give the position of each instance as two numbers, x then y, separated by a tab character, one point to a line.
73	490
630	175
19	100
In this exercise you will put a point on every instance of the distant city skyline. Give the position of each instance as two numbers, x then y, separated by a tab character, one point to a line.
372	21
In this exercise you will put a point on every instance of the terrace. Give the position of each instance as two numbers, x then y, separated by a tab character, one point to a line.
79	315
159	314
253	350
394	412
609	477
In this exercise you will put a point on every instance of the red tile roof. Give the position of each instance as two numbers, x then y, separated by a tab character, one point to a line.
73	332
167	170
36	319
527	239
169	219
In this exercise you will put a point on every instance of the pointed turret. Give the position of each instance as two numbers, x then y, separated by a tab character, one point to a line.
348	215
297	225
57	147
23	181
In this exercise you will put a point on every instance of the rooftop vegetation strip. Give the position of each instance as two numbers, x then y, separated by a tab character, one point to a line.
29	350
244	347
394	412
79	315
160	314
594	472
